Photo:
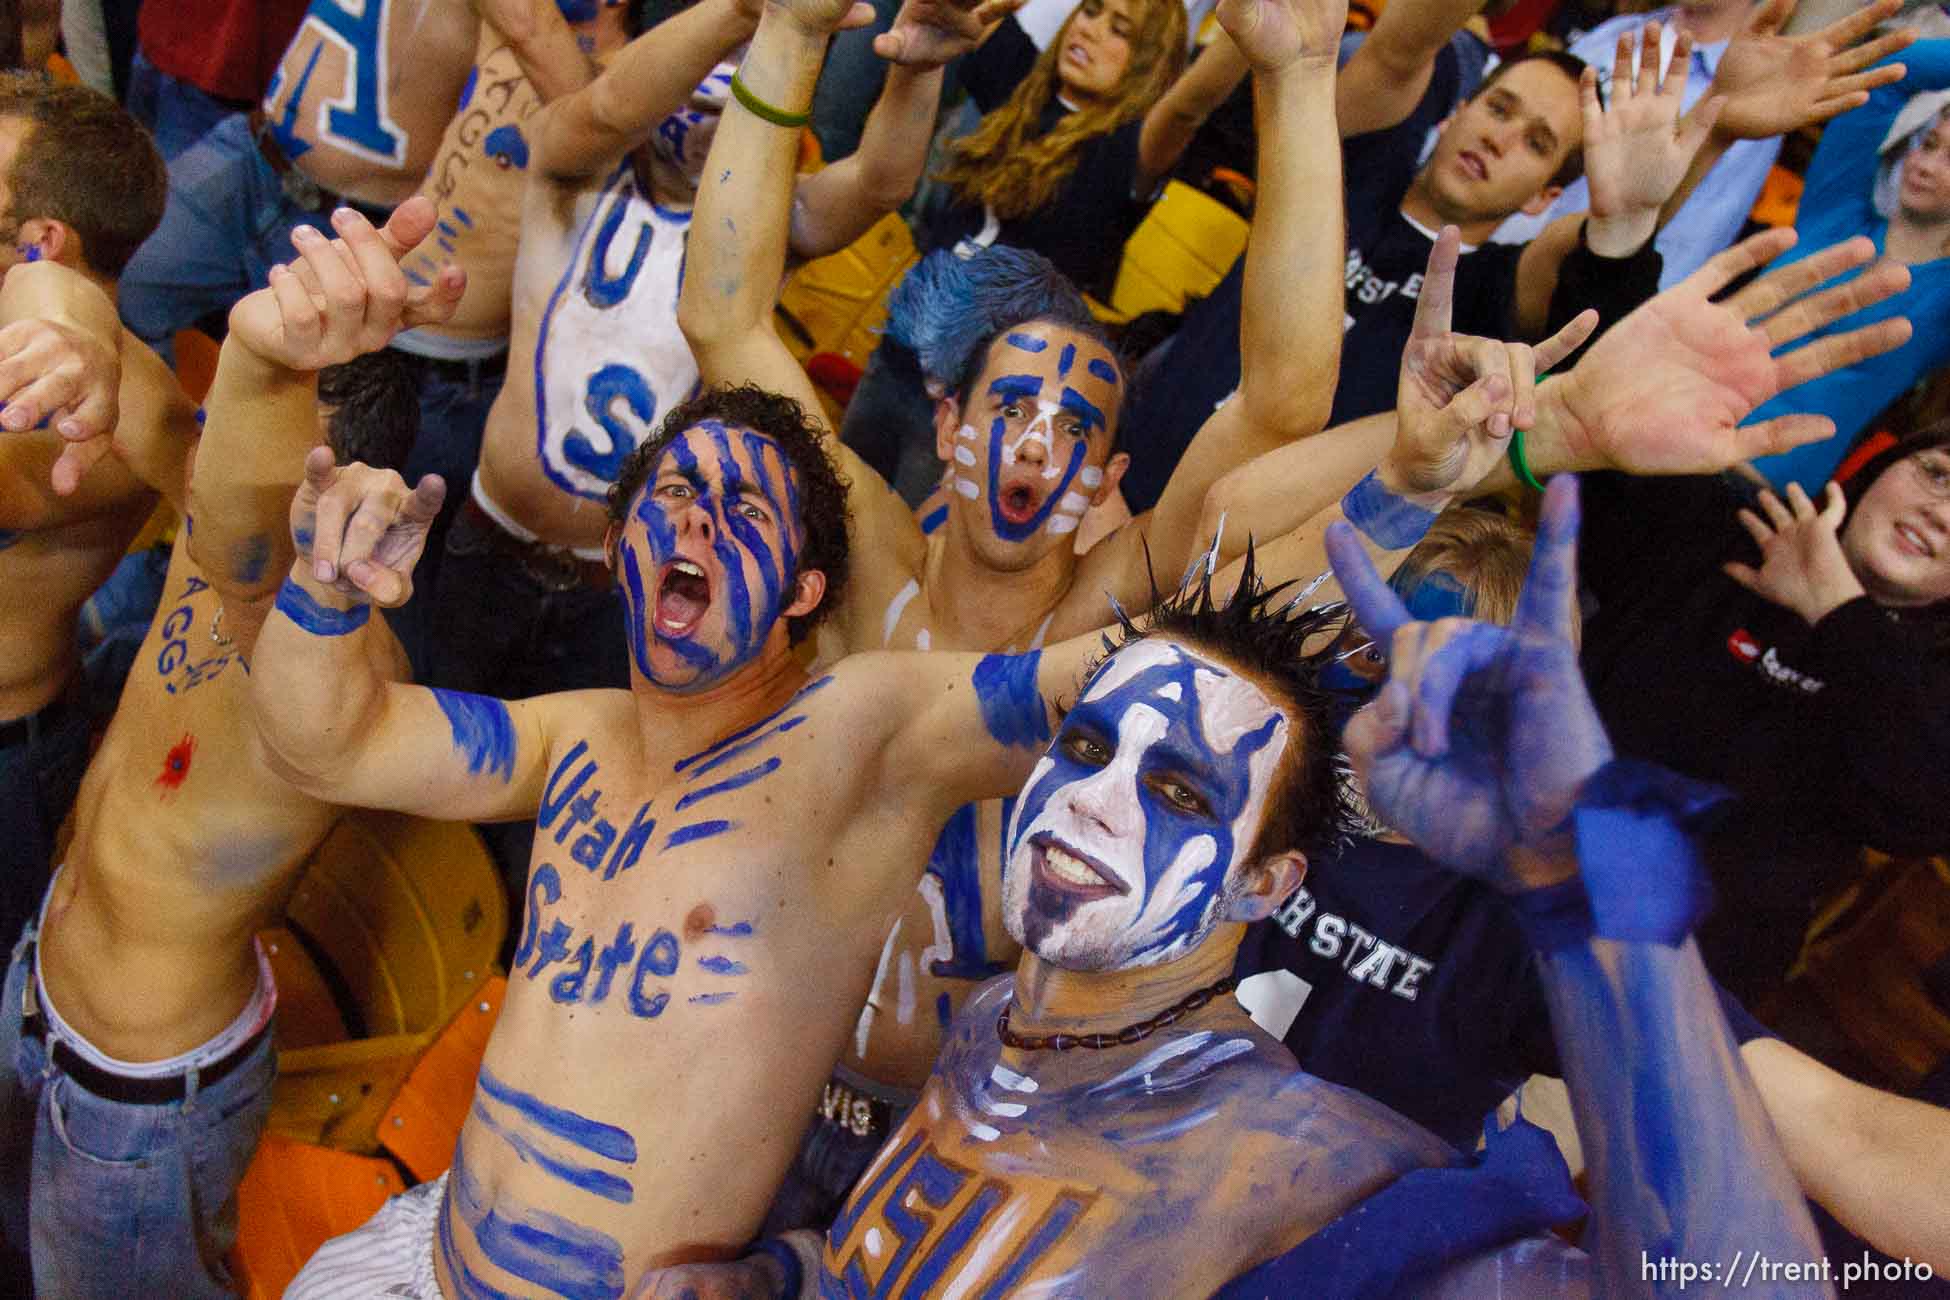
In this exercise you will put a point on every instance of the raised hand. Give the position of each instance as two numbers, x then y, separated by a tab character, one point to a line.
1459	396
342	298
1802	567
929	33
53	372
822	17
1483	736
1274	34
1638	146
1774	84
361	528
1664	391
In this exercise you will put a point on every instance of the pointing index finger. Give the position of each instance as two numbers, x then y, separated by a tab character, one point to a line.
1432	308
1376	606
1550	589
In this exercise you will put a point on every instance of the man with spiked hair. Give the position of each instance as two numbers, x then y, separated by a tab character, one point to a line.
1108	1120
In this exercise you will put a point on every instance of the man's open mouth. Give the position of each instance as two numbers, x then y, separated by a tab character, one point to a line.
1057	866
1018	503
683	595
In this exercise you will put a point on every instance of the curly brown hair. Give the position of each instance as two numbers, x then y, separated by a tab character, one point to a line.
1006	165
821	494
85	162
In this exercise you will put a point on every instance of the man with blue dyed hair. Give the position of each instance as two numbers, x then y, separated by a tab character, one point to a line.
136	1052
1031	399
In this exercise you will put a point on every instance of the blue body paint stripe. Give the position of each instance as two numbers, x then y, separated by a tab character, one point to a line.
1054	1225
297	605
1012	705
1388	520
447	228
711	999
471	1286
755	727
697	831
482	730
572	1261
933	520
722	966
605	1140
736	781
737	930
460	215
597	1182
1027	342
739	751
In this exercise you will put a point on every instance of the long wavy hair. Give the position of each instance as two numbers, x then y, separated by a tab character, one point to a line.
1006	166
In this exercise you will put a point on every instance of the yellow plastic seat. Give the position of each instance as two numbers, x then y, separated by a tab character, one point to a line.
398	921
294	1198
1181	250
831	309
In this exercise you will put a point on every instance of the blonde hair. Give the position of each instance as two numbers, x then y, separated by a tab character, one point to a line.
1004	166
1484	552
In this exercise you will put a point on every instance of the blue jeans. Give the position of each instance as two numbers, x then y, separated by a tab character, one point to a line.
227	224
121	1199
176	113
830	1160
453	416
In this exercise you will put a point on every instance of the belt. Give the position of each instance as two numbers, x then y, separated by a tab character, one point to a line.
42	720
115	1087
459	372
555	568
298	185
853	1111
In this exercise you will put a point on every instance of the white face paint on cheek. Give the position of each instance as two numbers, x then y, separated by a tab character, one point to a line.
1068	513
966	484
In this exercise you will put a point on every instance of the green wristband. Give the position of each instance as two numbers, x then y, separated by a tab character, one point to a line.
1517	461
760	109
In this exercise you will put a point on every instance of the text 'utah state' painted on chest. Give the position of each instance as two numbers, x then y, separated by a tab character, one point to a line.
924	1225
1363	955
609	357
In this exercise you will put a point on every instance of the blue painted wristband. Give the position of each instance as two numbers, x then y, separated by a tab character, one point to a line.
320	620
1389	521
788	1258
1635	824
1556	916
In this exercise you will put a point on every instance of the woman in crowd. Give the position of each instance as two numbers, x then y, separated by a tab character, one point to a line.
1070	147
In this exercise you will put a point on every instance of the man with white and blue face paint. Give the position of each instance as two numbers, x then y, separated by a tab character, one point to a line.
1026	422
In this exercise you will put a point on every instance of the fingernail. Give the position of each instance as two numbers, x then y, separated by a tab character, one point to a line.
321	570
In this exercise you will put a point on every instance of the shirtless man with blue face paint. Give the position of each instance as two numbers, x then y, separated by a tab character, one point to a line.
1026	424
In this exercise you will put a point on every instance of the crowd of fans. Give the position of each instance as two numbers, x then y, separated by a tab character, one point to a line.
1466	644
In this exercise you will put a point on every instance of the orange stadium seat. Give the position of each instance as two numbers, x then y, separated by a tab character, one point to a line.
294	1198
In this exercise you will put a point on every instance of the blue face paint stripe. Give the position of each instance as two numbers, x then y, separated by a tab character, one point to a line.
605	1140
758	726
1010	387
697	831
722	966
568	1259
637	611
1007	531
736	781
1027	342
933	519
297	604
756	445
482	731
1102	369
1093	419
1010	699
1067	360
596	1182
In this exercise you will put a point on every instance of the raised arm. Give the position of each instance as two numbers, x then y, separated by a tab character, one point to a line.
590	131
1387	76
1637	149
1291	309
338	300
1484	748
544	46
1179	113
1664	391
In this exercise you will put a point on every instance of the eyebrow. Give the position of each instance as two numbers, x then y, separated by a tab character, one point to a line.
1013	386
1074	401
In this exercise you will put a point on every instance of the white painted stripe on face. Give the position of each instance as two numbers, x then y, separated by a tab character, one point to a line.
1073	503
964	455
968	431
895	608
1171	691
1090	476
1060	524
967	487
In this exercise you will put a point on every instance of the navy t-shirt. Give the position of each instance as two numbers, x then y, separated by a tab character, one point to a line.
1410	983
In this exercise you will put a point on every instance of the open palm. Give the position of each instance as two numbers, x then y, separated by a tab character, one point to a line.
1665	391
1774	84
1275	33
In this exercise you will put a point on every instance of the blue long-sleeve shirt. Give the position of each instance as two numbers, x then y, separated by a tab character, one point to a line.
1837	204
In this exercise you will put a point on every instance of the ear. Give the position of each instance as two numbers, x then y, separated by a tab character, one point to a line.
947	423
46	240
611	535
1113	475
1540	201
808	592
1268	883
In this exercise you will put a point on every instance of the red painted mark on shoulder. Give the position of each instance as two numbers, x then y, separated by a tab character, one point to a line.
176	764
